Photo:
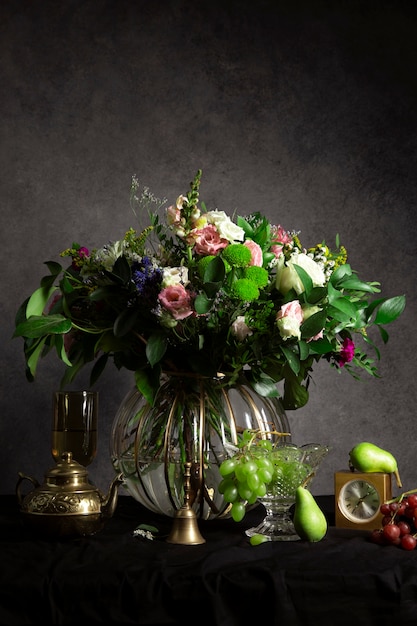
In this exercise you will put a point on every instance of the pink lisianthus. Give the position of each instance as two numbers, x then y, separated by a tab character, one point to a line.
256	252
289	319
208	241
347	352
280	237
176	300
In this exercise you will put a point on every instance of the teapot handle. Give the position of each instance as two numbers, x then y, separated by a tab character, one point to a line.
21	478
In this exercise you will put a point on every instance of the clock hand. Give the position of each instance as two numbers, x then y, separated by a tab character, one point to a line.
361	499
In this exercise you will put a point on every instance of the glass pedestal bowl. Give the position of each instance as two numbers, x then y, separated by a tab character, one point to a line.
293	466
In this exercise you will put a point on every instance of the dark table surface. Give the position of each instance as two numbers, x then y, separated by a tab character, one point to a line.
114	577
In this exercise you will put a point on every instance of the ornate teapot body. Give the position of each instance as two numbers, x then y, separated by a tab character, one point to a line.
66	504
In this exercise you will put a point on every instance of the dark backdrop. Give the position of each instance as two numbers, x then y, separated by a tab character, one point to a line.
303	110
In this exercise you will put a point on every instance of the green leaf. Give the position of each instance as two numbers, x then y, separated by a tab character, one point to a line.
354	284
316	295
249	231
292	358
33	359
98	368
21	313
125	321
266	387
295	394
304	349
60	348
156	348
313	325
390	310
305	279
37	326
321	346
202	304
345	306
384	334
38	301
340	273
215	271
211	289
71	372
103	293
148	383
121	270
54	267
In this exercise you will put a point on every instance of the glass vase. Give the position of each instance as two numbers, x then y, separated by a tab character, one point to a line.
293	466
194	421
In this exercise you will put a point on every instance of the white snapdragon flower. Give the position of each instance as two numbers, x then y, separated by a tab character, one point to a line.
225	227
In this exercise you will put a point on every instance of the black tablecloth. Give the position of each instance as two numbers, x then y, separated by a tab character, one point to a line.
116	578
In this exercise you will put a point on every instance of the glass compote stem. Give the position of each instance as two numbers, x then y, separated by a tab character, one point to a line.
293	466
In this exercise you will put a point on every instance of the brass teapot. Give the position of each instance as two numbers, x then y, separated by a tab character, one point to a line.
66	504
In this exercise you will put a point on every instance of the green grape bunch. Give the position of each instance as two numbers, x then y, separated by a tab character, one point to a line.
247	474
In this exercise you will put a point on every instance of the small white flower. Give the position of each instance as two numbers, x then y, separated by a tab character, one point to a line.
145	534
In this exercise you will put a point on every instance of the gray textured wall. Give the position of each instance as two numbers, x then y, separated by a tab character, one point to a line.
304	110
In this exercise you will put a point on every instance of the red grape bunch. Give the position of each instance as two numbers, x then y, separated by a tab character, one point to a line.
399	522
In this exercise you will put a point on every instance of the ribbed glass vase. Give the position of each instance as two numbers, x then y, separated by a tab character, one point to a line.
193	420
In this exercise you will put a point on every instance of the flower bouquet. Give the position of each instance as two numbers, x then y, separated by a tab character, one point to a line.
195	290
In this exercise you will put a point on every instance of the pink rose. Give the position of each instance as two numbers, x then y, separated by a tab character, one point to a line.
256	252
208	241
176	300
289	320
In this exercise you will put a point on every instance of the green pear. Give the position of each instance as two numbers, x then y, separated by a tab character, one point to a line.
367	457
309	520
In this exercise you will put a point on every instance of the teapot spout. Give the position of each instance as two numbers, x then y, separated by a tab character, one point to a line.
109	502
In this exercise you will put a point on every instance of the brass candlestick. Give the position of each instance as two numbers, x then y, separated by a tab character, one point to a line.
185	526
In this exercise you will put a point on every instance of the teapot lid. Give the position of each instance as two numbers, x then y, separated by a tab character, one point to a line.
67	471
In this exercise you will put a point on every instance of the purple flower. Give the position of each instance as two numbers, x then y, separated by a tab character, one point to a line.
147	279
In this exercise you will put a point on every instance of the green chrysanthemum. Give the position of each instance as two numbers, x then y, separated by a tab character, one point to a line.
258	275
245	289
237	255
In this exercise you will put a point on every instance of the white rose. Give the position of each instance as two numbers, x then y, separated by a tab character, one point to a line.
289	327
175	276
225	227
313	269
287	277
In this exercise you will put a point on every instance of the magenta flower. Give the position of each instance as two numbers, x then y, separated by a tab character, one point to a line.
347	352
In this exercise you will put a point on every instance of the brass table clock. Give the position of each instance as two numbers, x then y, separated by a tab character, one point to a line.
358	497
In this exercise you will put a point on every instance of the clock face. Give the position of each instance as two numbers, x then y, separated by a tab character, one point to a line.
359	501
